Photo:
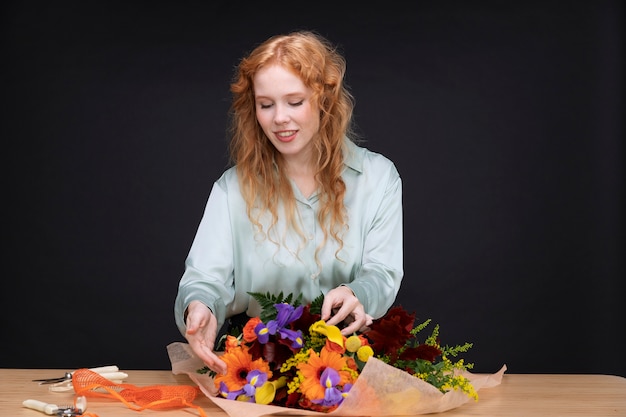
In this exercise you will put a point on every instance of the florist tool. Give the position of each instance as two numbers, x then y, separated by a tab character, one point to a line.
66	377
103	370
52	409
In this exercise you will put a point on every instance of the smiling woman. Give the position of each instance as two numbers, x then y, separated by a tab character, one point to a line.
303	209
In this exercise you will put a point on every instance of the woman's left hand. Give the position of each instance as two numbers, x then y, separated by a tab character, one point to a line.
346	307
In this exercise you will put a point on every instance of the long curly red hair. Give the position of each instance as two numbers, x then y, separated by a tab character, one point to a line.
259	165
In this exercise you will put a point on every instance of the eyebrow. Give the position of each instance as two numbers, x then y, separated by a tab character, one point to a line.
290	95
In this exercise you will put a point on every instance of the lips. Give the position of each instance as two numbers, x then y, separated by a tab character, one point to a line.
286	135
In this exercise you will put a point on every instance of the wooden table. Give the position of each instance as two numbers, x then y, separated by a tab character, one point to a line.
518	395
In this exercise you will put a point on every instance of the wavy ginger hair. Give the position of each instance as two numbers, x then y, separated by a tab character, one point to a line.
260	166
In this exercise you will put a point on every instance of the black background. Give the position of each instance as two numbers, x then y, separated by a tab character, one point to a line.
503	118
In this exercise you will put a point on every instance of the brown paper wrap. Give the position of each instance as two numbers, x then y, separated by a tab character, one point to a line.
380	390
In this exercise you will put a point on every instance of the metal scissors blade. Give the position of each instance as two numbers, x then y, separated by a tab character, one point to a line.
66	377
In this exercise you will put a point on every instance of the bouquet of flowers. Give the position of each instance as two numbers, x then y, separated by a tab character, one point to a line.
288	357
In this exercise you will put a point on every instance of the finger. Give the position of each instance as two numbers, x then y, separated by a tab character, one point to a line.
202	346
368	322
356	320
215	363
192	326
327	306
195	321
359	322
210	359
335	298
352	328
340	315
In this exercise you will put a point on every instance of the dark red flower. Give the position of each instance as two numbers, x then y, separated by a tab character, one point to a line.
390	332
399	314
306	319
293	400
274	352
426	352
308	405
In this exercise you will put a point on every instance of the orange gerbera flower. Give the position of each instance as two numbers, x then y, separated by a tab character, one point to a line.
311	386
240	363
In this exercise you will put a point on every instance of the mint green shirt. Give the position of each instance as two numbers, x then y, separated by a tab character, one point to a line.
227	259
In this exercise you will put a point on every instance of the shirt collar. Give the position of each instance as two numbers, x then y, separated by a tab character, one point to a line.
353	157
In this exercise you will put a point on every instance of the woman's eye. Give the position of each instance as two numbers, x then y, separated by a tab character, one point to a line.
264	106
298	103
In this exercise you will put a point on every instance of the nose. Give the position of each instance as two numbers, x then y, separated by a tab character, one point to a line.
281	116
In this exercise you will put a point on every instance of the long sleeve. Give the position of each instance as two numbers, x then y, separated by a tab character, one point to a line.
378	276
208	275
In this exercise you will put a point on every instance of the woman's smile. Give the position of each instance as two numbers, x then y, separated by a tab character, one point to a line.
286	135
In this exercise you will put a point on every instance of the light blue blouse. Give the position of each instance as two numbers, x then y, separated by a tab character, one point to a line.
227	259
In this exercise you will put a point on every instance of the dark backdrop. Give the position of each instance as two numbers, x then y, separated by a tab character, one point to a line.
504	120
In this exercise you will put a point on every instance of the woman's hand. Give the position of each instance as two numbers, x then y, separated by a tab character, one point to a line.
347	308
201	333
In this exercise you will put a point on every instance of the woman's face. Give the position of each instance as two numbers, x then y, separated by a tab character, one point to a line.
285	112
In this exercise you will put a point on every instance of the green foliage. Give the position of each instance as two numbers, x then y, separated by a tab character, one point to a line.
455	350
441	372
420	327
204	370
316	305
434	336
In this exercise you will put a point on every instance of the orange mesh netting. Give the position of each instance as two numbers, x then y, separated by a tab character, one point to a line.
155	397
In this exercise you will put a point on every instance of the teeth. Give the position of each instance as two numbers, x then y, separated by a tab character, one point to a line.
285	134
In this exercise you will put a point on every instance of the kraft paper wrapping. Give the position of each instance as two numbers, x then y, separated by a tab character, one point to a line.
380	390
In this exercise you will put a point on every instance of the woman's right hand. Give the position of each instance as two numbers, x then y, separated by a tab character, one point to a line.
201	333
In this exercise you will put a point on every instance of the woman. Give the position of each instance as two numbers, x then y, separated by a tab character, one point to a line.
303	209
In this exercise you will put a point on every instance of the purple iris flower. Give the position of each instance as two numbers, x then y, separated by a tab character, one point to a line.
262	333
294	335
231	395
286	315
332	395
255	379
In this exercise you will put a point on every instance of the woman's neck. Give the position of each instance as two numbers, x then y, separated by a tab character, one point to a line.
303	174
